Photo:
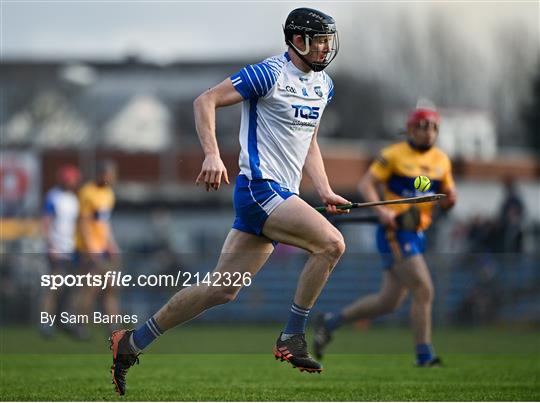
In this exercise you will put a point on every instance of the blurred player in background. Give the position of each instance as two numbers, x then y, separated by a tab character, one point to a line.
283	100
96	246
511	218
60	213
400	236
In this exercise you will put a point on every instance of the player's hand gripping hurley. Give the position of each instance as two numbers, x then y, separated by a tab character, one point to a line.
409	200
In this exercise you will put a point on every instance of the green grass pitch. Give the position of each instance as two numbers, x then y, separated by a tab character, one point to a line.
218	363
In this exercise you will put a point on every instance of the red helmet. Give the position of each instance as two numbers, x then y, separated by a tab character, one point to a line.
69	175
419	114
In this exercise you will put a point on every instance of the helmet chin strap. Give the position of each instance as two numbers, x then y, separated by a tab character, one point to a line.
306	50
303	53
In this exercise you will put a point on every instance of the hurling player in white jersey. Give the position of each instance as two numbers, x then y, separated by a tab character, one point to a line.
283	100
60	213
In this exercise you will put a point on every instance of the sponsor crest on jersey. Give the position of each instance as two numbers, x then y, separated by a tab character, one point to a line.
318	91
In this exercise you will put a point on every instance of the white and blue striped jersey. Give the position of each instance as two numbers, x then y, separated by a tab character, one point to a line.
63	208
282	108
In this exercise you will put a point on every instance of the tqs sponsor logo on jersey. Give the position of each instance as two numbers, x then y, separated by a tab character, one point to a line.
306	112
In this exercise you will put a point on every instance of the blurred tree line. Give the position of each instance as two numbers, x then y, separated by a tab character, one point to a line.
439	61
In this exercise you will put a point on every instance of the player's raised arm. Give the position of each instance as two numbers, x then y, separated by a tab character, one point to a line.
204	108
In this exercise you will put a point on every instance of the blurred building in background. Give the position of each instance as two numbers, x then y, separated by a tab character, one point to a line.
140	115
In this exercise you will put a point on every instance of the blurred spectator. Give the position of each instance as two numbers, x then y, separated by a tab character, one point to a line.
482	302
512	213
481	235
60	213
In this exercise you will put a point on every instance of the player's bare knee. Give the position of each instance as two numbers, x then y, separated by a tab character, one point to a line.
430	294
334	246
424	293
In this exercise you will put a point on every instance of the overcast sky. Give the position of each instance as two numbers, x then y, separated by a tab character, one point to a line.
163	31
459	53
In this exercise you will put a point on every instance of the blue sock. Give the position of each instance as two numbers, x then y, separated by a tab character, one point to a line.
424	353
332	321
297	320
145	334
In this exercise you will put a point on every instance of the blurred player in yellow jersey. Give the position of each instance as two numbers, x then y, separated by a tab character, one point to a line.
95	243
400	237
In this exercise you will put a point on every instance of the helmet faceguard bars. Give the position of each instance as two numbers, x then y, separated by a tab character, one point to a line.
314	26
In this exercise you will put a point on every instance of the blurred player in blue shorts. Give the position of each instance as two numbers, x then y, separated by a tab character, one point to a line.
60	213
400	236
283	99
